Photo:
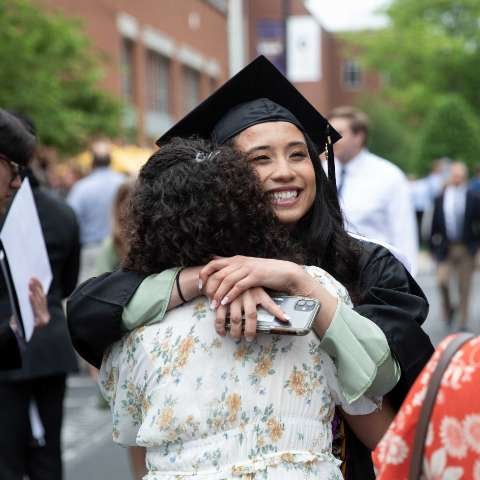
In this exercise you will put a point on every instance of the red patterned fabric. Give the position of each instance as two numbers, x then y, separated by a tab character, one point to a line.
452	450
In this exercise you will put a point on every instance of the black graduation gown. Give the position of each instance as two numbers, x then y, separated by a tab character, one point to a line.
391	298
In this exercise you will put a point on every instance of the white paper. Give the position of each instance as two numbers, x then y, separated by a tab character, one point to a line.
304	49
26	252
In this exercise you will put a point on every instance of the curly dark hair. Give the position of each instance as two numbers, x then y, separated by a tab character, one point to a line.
193	201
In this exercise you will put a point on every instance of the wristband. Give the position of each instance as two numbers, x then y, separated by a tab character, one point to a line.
177	281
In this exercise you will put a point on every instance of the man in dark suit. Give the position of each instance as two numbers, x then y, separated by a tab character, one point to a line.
16	148
455	239
48	357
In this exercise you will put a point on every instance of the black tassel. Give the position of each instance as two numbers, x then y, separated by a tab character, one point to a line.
330	158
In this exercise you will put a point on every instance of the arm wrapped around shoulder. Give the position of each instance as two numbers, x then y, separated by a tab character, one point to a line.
94	312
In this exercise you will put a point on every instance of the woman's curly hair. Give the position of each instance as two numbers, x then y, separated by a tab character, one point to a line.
193	201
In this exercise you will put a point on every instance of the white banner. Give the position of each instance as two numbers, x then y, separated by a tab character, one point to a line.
304	60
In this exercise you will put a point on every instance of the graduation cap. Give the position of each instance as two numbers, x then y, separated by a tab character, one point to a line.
259	93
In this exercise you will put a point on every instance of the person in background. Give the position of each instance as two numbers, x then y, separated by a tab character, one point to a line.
48	357
475	181
454	241
115	246
92	198
421	200
16	148
374	193
452	444
113	252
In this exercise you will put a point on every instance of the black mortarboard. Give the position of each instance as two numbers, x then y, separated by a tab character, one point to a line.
16	142
258	93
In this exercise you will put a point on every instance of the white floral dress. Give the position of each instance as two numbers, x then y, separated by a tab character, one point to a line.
210	408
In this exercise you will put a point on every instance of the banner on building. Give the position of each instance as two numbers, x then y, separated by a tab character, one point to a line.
304	56
270	36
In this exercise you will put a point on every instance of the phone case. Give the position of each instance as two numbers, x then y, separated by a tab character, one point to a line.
301	311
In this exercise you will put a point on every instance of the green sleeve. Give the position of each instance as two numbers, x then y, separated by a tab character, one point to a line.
107	259
361	354
149	303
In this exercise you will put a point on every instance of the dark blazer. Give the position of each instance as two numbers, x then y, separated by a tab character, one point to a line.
439	242
50	351
9	349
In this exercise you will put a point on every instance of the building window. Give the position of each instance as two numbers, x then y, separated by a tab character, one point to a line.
158	84
128	71
352	74
191	97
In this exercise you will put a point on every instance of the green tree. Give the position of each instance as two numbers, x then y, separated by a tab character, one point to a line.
430	49
389	135
51	73
450	130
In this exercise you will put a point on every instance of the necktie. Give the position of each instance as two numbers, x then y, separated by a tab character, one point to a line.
341	182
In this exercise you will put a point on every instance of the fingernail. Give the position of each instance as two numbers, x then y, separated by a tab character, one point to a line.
224	301
213	304
287	317
249	339
200	284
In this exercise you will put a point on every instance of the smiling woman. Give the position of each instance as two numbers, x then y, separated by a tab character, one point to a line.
378	345
279	153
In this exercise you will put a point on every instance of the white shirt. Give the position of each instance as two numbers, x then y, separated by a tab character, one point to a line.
376	203
454	211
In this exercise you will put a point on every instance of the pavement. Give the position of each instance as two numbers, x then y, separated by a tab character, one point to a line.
90	454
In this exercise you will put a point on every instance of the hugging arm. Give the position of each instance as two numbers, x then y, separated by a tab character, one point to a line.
103	308
394	301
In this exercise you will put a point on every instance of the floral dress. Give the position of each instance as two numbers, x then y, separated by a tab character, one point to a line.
452	446
212	408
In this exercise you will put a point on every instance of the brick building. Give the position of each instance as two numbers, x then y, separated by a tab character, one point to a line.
340	78
161	56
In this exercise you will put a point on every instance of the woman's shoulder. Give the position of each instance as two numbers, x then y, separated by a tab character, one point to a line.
375	257
330	283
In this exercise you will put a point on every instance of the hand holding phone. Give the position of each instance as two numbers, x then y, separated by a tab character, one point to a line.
301	312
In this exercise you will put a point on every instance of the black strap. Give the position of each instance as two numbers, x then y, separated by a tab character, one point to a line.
416	462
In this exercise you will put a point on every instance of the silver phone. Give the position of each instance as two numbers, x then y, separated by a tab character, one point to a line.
301	311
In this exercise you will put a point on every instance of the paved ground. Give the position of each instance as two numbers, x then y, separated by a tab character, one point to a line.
89	452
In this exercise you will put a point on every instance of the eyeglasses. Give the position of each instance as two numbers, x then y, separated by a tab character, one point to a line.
16	170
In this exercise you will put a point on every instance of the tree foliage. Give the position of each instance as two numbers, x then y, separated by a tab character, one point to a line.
51	73
388	136
450	130
429	50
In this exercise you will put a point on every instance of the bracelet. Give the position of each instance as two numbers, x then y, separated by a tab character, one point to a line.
177	281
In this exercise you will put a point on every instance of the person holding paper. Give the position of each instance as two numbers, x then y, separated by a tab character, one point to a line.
16	148
32	396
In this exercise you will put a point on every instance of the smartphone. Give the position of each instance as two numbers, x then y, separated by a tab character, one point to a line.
300	310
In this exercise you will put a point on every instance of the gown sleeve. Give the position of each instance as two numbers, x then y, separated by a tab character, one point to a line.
94	312
392	299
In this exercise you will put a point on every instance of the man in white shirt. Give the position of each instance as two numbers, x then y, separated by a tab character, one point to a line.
92	200
455	240
373	192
